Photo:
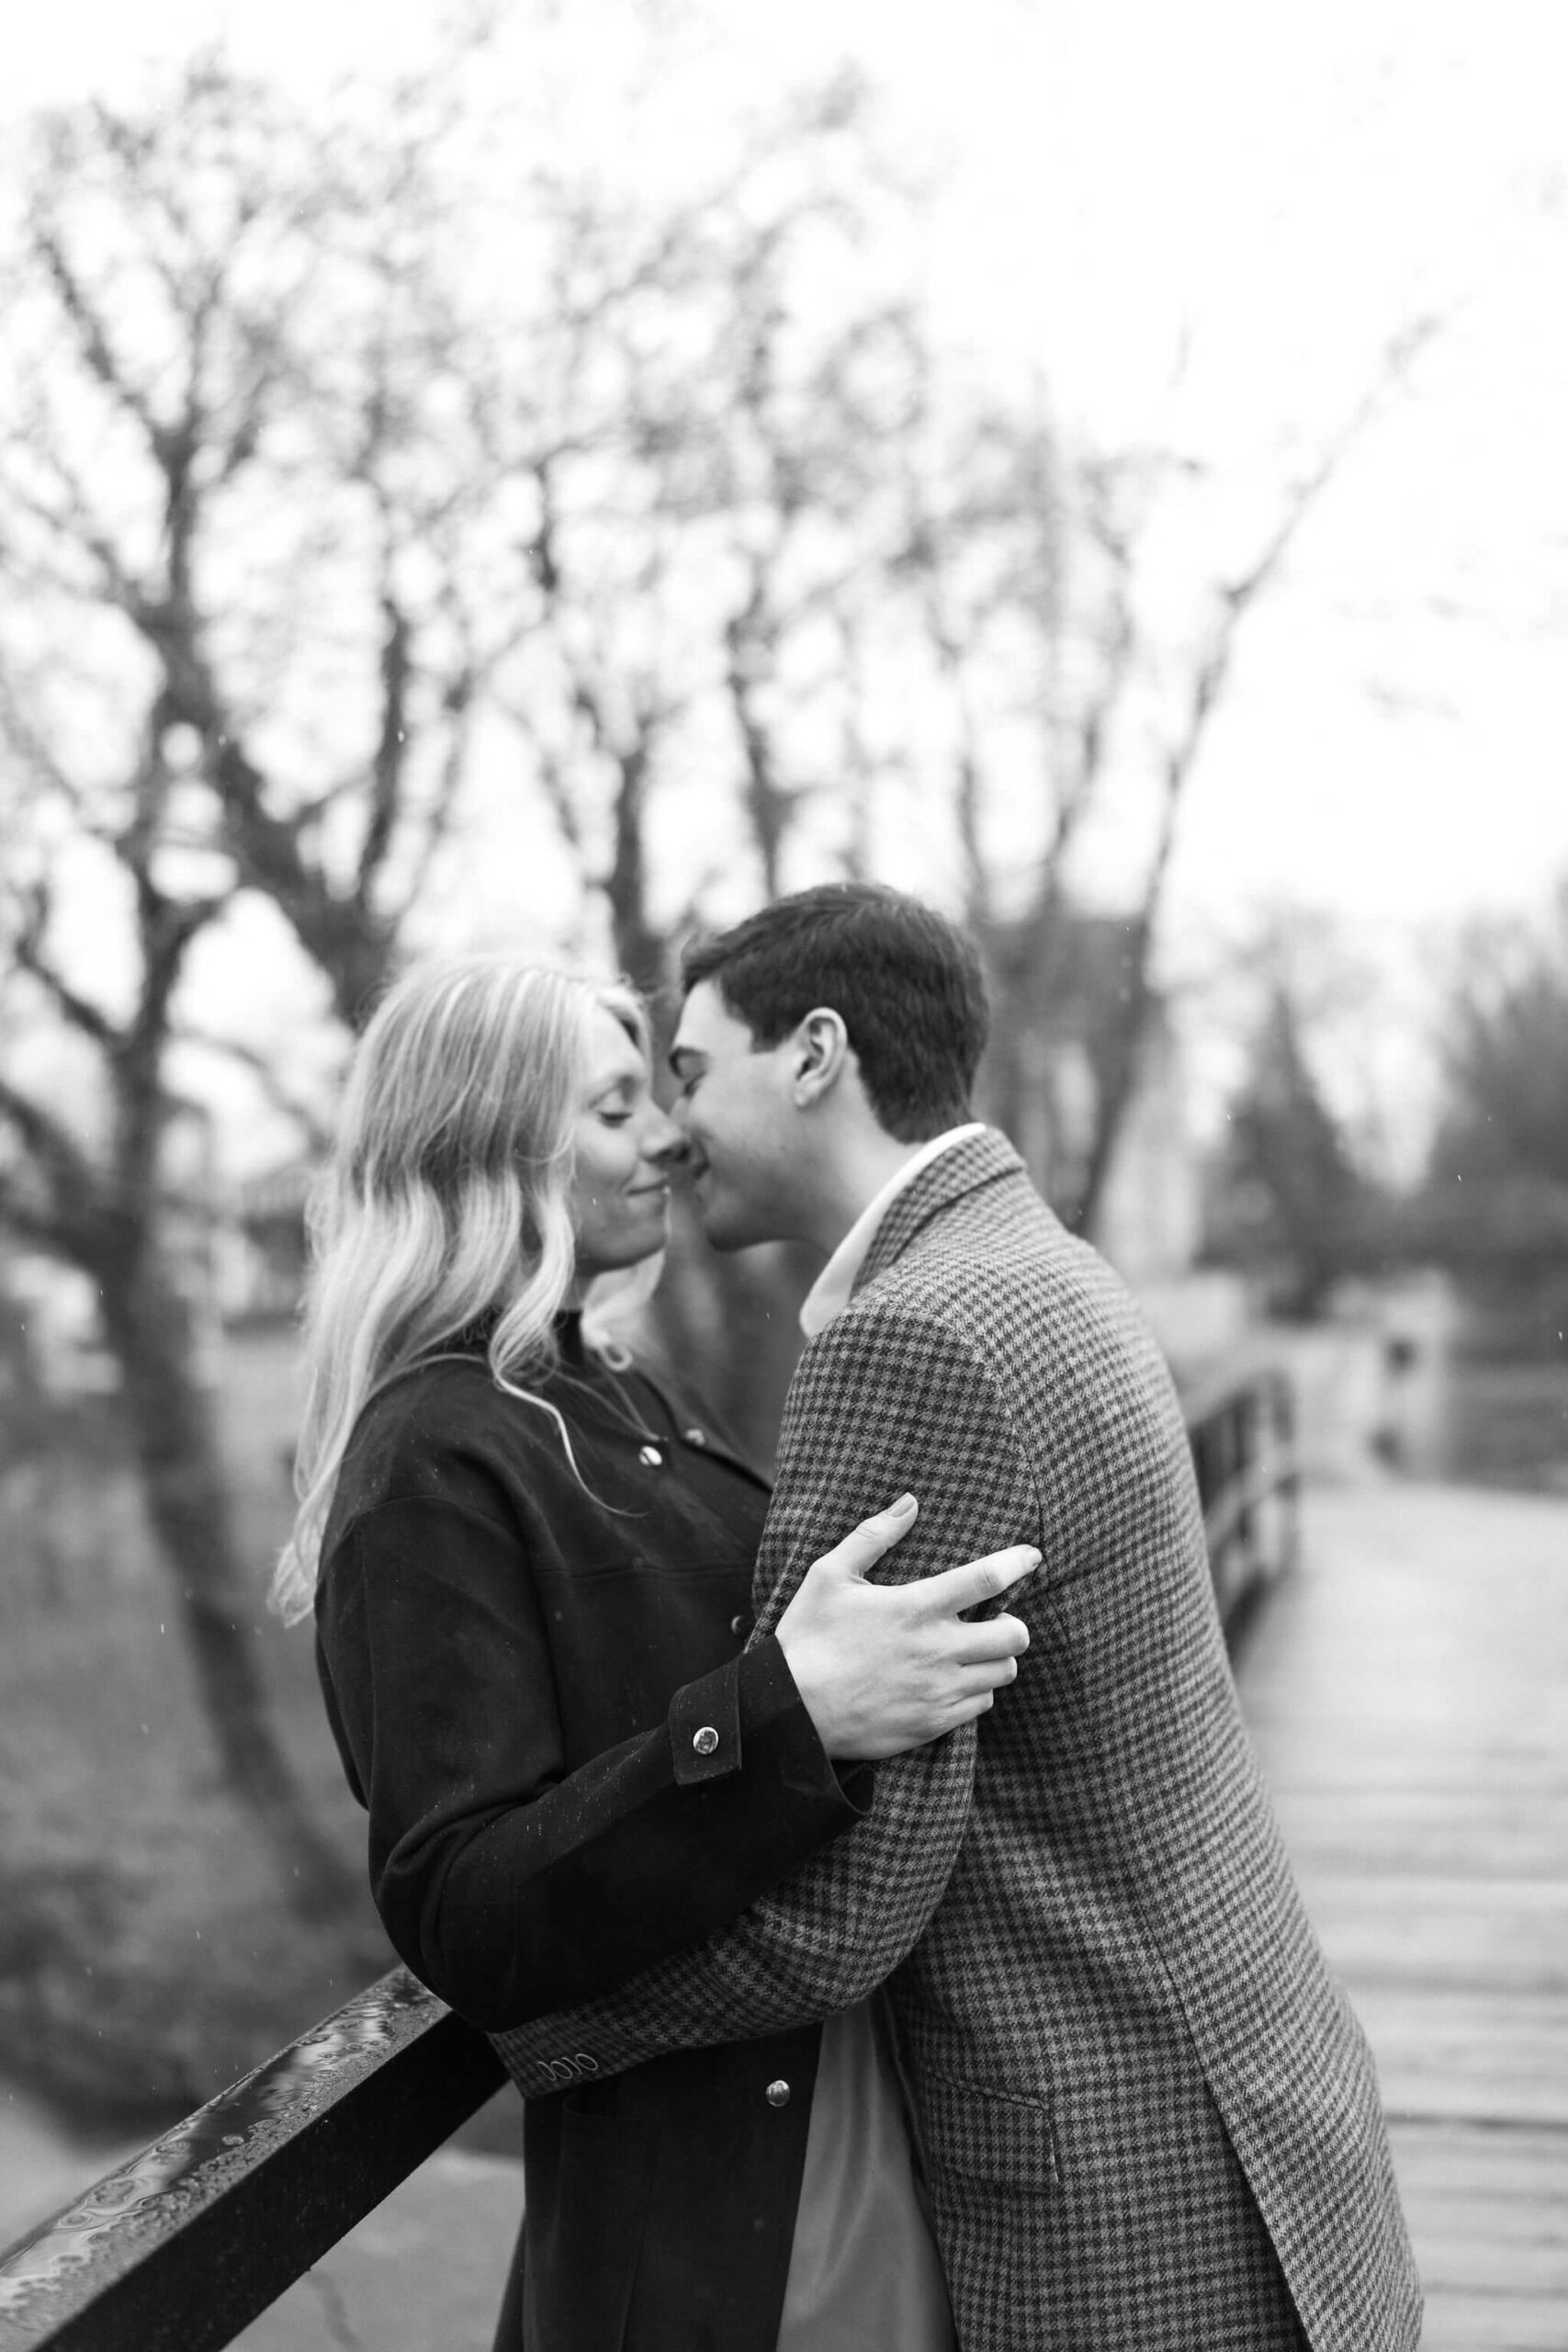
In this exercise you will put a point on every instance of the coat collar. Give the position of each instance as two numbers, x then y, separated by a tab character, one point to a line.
969	1167
834	1286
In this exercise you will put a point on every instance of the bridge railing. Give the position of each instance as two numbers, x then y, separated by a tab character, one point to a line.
1242	1426
180	2249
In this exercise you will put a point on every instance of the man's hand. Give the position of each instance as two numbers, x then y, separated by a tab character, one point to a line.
883	1667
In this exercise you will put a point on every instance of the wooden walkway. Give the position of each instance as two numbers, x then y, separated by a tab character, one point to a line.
1408	1692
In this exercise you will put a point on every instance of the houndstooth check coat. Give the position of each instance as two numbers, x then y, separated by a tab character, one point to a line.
1149	2117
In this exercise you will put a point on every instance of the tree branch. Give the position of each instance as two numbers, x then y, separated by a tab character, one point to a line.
55	1236
75	529
388	765
89	330
74	1185
27	948
317	1132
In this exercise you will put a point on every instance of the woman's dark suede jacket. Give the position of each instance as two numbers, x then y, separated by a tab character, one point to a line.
535	1679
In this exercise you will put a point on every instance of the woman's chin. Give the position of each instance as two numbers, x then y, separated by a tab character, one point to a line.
634	1253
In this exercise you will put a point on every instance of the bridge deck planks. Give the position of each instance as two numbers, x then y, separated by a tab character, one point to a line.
1407	1692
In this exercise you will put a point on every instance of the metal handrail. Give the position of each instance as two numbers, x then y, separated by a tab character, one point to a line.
182	2247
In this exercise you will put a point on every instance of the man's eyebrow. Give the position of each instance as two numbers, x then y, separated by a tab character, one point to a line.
685	1058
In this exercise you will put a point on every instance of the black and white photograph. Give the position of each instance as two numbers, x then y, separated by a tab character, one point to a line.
784	1176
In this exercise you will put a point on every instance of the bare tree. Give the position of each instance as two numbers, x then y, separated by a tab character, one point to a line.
1064	684
699	475
705	480
1207	675
287	515
238	657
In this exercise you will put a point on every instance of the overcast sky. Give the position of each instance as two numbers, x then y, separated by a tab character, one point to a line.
1272	194
1284	187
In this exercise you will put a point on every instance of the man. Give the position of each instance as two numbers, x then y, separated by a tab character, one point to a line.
1147	2115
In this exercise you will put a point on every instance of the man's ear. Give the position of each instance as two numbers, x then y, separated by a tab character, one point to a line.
821	1051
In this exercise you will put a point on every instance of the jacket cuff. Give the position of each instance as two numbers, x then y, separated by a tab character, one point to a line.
705	1727
750	1712
775	1717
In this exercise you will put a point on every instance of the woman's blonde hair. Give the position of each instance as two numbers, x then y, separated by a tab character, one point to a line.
446	1204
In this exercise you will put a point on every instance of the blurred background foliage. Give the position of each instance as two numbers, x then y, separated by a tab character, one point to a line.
400	517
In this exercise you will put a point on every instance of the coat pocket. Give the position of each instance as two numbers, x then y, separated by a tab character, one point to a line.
986	2133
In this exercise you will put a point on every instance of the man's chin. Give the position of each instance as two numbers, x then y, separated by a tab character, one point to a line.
721	1236
722	1229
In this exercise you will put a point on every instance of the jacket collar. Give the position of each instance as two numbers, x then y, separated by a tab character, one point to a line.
831	1292
981	1160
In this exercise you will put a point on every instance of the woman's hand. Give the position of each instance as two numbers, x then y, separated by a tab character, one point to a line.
883	1667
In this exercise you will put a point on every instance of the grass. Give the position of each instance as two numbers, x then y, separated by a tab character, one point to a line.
147	1954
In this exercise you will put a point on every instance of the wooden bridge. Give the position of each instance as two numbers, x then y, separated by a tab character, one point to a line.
1407	1683
1408	1692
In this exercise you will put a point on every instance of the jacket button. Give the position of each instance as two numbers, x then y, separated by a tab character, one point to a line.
697	1437
705	1740
739	1624
777	2093
651	1458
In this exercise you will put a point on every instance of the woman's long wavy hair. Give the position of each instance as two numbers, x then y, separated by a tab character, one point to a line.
446	1204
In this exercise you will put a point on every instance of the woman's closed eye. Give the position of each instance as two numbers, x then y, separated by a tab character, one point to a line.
617	1104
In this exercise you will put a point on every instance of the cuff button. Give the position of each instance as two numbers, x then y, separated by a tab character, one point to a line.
705	1740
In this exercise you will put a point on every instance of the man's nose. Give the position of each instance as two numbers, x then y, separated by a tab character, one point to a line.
666	1144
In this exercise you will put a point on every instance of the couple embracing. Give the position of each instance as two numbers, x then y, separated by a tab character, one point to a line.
887	1964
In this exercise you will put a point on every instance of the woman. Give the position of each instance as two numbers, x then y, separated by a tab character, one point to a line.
530	1567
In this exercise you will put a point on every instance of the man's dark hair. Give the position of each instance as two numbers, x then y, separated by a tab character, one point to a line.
906	983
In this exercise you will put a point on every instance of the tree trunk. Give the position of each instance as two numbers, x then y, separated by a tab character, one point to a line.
1118	1060
640	950
1028	966
187	1506
1118	1075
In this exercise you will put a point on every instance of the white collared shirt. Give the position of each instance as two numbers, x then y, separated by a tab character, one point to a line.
830	1293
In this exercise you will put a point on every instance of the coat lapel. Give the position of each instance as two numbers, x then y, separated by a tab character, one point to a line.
969	1167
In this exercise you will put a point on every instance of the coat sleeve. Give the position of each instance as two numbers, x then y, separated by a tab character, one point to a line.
508	1883
879	1403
